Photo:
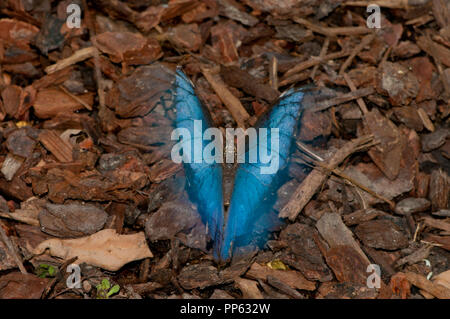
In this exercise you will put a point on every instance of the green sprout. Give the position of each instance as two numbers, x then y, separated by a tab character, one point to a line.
104	290
44	271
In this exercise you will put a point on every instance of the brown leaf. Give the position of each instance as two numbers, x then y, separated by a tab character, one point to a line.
105	249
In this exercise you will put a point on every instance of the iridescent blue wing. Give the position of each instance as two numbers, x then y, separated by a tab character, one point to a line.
253	193
203	180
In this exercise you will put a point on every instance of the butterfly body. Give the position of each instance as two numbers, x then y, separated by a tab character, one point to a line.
257	176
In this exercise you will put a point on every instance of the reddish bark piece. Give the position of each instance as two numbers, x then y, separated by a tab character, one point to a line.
314	124
292	278
347	264
22	286
305	254
437	51
236	11
127	47
387	154
336	234
423	70
398	83
206	9
58	147
186	36
11	97
50	102
17	32
412	205
139	93
241	79
163	170
400	285
439	193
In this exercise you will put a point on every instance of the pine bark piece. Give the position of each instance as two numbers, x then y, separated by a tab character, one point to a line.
241	79
130	48
387	154
236	11
439	193
422	282
16	285
50	102
335	233
58	147
198	276
186	36
292	278
412	205
437	51
348	264
20	144
382	234
72	220
249	289
304	254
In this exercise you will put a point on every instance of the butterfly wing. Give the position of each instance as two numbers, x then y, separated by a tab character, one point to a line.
254	185
203	180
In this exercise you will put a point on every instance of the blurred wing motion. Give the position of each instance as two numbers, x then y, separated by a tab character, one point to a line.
253	192
204	181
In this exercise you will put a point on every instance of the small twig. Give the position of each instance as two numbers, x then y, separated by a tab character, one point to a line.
332	31
318	161
323	52
273	73
294	79
343	98
306	190
76	98
233	104
386	55
365	41
78	56
359	100
316	60
308	151
12	249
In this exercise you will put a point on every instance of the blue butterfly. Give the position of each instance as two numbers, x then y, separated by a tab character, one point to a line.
253	194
